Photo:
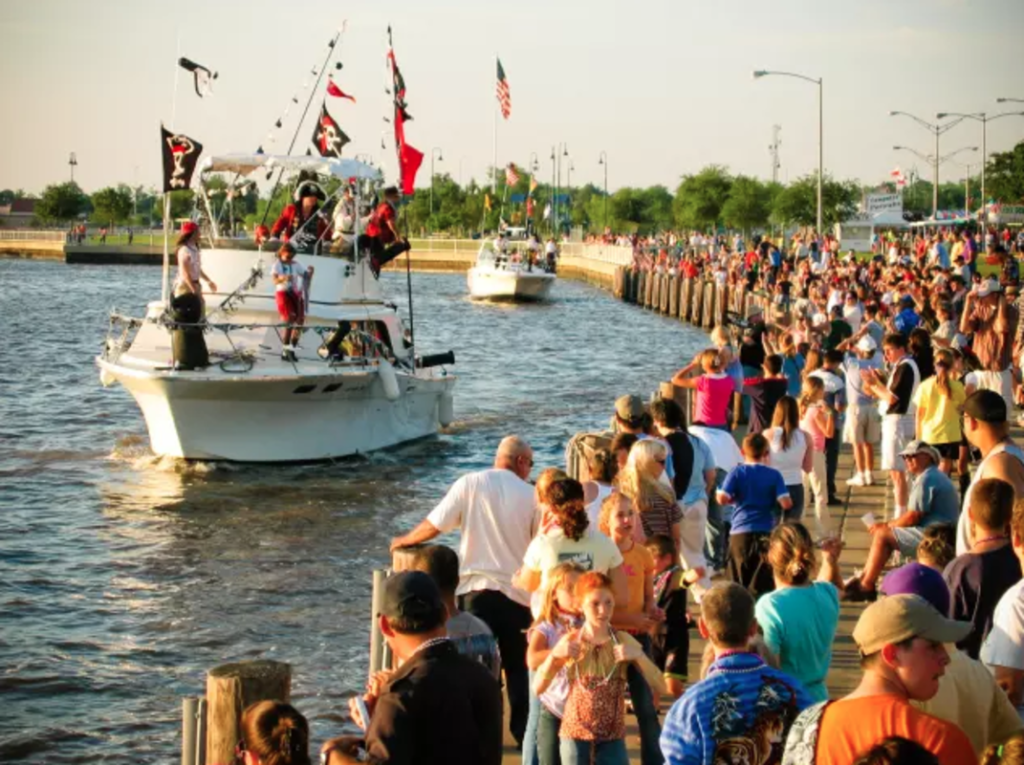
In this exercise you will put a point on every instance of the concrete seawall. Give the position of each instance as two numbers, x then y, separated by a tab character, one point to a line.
595	264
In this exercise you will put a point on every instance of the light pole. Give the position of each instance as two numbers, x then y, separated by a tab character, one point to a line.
984	119
821	125
554	189
73	162
935	161
937	130
603	160
435	151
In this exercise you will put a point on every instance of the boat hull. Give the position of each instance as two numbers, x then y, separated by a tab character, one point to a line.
494	284
281	419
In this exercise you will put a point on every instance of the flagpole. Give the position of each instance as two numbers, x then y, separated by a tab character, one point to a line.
494	163
165	274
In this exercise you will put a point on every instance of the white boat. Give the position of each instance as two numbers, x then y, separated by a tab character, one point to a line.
250	404
496	276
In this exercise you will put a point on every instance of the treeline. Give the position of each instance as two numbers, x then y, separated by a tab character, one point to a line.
711	198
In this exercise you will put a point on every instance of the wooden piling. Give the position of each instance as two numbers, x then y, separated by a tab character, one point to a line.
696	302
708	314
231	688
673	295
663	294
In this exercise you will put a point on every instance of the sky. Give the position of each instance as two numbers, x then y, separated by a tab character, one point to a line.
664	87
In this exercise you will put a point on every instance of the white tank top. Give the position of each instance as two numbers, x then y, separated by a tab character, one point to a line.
789	462
963	531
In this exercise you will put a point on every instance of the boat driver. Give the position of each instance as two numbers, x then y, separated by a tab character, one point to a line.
294	225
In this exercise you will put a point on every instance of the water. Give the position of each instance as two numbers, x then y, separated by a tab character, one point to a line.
124	577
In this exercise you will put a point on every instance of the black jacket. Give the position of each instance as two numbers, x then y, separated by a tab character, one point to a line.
439	707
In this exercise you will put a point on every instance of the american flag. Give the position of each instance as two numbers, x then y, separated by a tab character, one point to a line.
897	175
504	99
511	176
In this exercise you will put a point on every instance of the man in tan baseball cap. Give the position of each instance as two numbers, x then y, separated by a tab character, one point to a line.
901	640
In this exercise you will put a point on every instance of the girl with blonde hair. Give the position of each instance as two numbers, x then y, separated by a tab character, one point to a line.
641	481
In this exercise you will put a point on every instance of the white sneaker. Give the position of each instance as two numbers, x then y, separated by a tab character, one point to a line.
857	480
869	479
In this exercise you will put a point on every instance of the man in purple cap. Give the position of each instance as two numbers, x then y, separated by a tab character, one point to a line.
968	694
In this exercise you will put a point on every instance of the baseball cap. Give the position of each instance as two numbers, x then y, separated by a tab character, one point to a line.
988	286
896	618
629	407
412	599
919	447
921	580
985	406
867	344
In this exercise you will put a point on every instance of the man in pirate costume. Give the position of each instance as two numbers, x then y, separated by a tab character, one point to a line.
294	225
382	239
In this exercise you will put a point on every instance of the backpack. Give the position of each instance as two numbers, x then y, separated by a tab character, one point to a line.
802	740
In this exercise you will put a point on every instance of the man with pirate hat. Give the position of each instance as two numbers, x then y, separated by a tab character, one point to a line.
292	225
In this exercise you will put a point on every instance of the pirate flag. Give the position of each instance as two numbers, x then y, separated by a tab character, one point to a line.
203	77
409	158
180	154
328	138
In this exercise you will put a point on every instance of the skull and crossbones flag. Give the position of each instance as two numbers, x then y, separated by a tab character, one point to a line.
180	155
328	138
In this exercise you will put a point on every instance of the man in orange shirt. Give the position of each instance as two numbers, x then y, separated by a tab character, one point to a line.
902	654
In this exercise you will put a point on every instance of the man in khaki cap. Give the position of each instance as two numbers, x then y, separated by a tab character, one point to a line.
902	654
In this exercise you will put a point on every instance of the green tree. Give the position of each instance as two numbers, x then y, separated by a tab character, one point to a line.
655	209
798	202
1004	175
61	202
748	205
112	205
700	198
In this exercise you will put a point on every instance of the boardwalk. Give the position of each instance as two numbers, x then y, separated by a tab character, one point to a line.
845	673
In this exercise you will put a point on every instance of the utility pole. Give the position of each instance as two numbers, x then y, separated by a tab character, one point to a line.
774	149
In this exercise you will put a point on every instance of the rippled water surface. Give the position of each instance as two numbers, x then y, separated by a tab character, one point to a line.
124	577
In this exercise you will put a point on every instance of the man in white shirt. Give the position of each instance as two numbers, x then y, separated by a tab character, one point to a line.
496	514
1003	649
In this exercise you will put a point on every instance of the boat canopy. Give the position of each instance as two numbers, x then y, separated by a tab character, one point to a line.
245	164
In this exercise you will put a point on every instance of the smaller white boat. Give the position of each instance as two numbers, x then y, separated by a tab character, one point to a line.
500	276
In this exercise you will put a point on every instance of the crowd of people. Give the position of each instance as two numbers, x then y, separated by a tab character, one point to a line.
580	593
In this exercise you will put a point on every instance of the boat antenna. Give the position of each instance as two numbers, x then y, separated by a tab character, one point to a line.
319	72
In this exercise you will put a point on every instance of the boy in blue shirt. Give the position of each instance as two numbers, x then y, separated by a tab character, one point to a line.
753	488
743	709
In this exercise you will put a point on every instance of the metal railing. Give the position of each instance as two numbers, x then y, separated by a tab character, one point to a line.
26	235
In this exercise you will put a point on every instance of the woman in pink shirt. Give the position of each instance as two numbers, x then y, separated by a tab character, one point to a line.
714	390
817	420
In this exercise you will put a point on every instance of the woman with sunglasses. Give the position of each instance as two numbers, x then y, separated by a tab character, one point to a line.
273	733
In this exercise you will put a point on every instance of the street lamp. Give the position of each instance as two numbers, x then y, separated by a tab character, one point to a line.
434	151
603	160
821	121
554	188
935	162
937	130
73	162
984	119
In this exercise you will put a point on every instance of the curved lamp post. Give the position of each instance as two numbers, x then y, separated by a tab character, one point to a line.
821	154
984	119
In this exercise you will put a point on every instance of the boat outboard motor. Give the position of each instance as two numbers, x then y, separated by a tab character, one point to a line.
435	360
188	346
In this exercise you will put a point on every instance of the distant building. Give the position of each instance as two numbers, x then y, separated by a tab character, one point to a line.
19	214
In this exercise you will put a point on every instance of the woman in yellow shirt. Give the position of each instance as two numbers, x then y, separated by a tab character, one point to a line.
939	400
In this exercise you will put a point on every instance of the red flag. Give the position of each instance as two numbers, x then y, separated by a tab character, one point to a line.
409	158
529	207
334	90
